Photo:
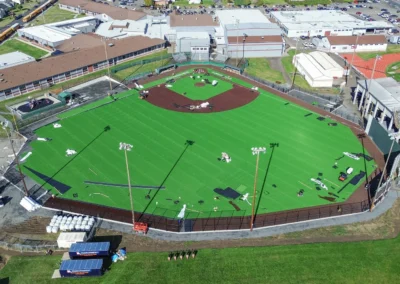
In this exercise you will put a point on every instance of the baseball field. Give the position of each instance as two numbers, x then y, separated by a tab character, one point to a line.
177	147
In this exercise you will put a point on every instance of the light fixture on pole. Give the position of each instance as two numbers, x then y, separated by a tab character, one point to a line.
393	137
255	151
4	125
128	147
237	40
244	41
108	63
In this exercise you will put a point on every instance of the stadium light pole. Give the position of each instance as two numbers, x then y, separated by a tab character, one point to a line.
108	64
352	57
237	41
256	151
244	41
128	147
393	137
363	112
295	68
16	158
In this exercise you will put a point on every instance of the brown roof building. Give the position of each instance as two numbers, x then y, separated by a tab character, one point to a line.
352	40
348	44
255	39
93	8
80	56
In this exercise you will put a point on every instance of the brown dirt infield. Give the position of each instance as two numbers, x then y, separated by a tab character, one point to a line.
236	97
200	84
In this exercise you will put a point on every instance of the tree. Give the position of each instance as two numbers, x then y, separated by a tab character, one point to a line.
148	3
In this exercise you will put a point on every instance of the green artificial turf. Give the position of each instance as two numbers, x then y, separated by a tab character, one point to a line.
353	262
187	86
308	148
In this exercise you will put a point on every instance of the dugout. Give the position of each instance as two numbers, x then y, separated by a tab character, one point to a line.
233	69
89	250
81	268
165	68
65	96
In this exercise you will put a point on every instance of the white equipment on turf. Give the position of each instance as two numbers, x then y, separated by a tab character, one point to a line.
182	213
320	183
351	156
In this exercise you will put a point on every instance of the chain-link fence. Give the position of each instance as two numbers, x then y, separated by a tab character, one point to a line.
11	242
167	219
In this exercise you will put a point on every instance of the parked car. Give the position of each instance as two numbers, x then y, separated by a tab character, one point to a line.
304	37
395	31
358	13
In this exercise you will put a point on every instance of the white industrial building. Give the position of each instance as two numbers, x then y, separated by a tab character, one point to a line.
190	23
318	68
52	35
197	43
122	28
381	98
247	34
346	44
326	23
14	58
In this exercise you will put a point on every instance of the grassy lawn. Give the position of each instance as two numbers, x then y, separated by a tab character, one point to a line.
17	11
196	170
16	45
260	67
393	70
299	80
134	70
392	48
183	3
354	262
54	14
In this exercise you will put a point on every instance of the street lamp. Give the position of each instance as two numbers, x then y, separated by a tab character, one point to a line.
393	137
4	125
128	147
255	151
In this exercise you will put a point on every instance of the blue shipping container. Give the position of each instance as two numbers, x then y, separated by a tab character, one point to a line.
86	250
81	268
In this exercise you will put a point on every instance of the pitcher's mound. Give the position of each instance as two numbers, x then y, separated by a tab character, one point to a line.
200	84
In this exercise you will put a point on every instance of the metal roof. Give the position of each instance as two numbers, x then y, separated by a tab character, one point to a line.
14	58
89	247
227	17
81	264
385	90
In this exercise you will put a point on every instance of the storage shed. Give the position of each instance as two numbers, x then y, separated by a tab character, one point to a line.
81	268
66	239
85	250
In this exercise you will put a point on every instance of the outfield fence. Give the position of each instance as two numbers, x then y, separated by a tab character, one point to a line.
199	221
139	62
11	242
